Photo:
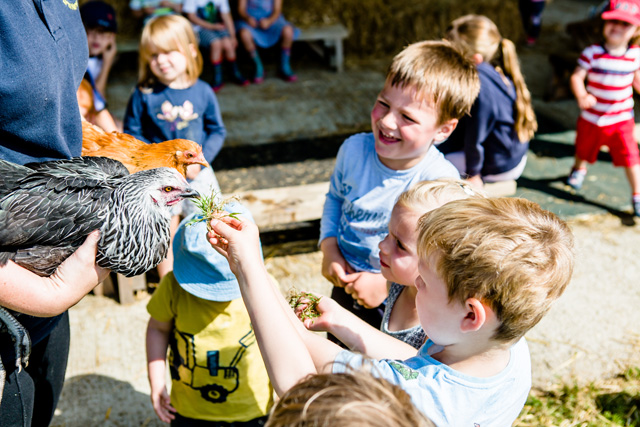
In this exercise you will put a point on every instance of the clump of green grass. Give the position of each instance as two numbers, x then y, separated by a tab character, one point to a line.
304	304
614	402
212	207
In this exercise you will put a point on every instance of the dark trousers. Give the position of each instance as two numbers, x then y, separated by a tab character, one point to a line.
181	421
531	14
372	316
30	396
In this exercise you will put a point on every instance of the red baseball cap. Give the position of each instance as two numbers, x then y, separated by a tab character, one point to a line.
623	10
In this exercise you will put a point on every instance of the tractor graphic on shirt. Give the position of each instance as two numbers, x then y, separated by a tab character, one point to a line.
214	381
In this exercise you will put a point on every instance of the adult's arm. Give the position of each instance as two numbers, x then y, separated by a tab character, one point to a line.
26	292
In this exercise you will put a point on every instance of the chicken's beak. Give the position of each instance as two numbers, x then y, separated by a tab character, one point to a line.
201	161
189	193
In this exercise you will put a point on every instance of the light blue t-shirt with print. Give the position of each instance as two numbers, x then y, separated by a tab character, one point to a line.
450	398
362	194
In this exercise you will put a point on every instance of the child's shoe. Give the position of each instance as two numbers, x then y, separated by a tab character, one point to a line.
216	87
285	67
576	178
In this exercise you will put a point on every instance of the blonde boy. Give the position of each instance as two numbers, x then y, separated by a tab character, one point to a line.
429	86
489	271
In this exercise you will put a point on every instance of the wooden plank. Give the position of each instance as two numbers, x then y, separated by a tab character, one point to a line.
127	287
501	188
321	32
276	206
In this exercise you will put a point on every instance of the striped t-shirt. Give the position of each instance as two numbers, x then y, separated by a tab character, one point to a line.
609	79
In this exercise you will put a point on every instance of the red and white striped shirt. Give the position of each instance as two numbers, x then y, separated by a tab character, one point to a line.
609	79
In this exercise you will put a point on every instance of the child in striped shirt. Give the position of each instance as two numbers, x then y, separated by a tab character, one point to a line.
603	85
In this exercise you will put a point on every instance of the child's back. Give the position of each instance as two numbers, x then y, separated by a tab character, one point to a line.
430	85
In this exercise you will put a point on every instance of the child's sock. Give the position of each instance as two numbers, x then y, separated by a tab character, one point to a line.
285	66
237	75
217	76
259	76
635	202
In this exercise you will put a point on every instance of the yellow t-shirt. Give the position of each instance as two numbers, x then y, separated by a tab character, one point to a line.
216	368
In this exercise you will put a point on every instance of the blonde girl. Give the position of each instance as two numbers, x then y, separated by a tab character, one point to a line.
491	143
399	265
171	102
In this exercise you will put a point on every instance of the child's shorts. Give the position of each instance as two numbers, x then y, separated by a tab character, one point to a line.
207	36
618	137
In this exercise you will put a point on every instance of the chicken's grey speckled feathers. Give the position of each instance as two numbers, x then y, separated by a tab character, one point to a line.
47	210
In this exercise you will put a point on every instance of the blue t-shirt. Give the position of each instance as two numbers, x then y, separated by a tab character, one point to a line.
160	113
451	398
44	56
362	194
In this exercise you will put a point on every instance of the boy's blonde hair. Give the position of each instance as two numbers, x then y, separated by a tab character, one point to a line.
354	398
509	253
477	34
165	34
425	195
439	72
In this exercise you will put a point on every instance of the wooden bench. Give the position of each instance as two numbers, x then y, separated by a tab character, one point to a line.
323	38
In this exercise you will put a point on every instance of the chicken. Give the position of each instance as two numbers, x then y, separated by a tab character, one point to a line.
137	155
48	209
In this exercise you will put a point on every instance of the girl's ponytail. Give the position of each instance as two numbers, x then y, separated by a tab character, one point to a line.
525	119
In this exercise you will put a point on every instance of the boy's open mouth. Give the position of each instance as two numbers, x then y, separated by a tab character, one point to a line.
386	138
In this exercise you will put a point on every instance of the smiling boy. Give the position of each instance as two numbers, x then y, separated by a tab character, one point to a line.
429	86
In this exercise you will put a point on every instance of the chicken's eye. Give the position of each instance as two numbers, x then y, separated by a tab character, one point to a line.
189	155
168	189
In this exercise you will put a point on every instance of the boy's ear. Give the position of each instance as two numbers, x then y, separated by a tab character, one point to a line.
445	130
476	315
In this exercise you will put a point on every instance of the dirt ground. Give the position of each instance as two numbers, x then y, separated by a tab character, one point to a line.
592	331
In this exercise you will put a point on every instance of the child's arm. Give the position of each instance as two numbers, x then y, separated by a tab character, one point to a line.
584	98
334	266
231	28
275	14
133	116
108	57
368	289
357	334
289	351
196	20
157	343
636	81
242	12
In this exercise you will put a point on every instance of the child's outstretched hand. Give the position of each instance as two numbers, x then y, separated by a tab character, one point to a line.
329	311
368	289
237	240
162	405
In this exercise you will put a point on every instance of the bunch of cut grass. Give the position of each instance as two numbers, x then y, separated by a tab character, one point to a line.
212	206
304	304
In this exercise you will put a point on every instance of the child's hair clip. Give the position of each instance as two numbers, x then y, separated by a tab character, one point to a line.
467	189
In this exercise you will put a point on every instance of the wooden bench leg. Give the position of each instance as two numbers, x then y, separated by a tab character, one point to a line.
127	287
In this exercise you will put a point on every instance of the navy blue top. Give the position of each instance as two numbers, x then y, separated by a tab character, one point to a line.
488	136
44	52
160	113
44	56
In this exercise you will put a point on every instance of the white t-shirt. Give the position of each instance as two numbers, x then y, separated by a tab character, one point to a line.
451	398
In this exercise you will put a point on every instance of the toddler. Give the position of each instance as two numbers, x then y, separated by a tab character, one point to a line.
399	265
263	24
171	102
99	19
429	86
213	22
490	144
216	370
489	270
611	71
